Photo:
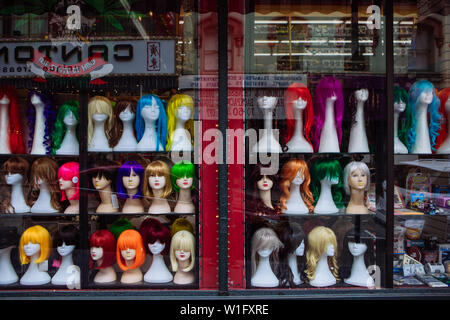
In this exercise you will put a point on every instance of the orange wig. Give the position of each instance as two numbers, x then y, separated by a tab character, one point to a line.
288	173
443	95
130	239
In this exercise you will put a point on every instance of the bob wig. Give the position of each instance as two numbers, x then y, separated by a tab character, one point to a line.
67	234
117	129
172	112
161	124
405	118
45	169
161	169
153	230
125	171
36	235
14	165
326	88
60	130
15	129
352	166
130	239
293	93
180	170
330	169
443	95
434	117
288	173
265	238
182	240
318	241
103	239
181	224
70	171
104	169
99	104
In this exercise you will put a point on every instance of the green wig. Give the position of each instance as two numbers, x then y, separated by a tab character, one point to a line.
180	170
405	119
327	169
60	128
119	226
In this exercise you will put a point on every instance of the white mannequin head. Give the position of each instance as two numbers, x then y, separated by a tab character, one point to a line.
30	249
14	178
299	104
184	113
362	94
99	117
157	182
330	250
156	247
35	99
150	112
332	98
266	252
357	249
264	184
96	253
399	106
299	178
70	120
65	250
266	102
300	251
331	181
126	115
4	100
426	97
185	183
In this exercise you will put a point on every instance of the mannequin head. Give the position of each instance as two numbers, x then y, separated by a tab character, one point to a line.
156	236
42	241
66	239
297	97
67	116
182	248
45	170
14	170
68	176
103	249
119	226
49	115
327	169
157	176
124	110
295	171
355	245
130	177
130	247
265	242
444	110
401	105
321	240
328	88
181	224
423	92
182	175
8	236
179	108
356	176
100	105
15	129
103	173
153	102
261	183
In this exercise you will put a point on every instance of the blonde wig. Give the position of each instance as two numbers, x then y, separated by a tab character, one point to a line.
318	241
352	166
182	240
99	104
36	235
45	169
15	165
288	173
265	238
172	112
161	169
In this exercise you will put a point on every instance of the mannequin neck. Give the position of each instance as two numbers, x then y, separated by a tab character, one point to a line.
322	267
180	124
105	195
396	117
66	261
359	264
266	198
132	192
158	198
329	113
325	190
357	197
70	192
268	116
71	135
422	144
294	192
298	131
39	130
185	195
183	265
44	193
128	129
33	267
150	126
129	263
17	196
359	116
4	125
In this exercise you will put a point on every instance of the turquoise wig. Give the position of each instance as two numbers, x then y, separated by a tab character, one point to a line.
161	124
327	169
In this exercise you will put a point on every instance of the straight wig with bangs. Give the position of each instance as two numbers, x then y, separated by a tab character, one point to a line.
323	168
405	118
180	170
103	239
153	230
265	238
161	123
161	169
130	239
60	129
182	240
100	104
15	128
47	170
70	172
36	235
125	171
117	129
14	165
49	115
443	95
172	112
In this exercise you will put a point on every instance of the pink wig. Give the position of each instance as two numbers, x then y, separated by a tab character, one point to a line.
104	239
325	89
69	171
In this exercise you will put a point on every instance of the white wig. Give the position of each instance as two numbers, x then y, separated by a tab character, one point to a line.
352	166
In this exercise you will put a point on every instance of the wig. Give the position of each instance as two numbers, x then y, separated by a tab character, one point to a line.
60	130
182	240
326	88
180	170
70	171
14	165
8	236
346	258
340	228
49	115
99	104
405	119
172	112
130	239
153	230
265	238
161	169
254	203
45	169
67	234
324	168
288	173
434	117
318	241
36	235
104	169
119	226
15	130
293	93
161	124
443	95
103	239
117	129
125	171
352	166
181	224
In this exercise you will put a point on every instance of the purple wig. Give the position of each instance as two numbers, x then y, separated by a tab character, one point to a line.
325	89
125	171
49	116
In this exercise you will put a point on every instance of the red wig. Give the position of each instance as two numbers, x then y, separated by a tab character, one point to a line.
293	92
443	131
105	240
152	230
69	171
16	141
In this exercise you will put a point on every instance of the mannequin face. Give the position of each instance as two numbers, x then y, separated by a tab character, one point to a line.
126	115
184	113
35	99
399	106
330	250
156	247
266	102
362	94
299	178
300	251
332	98
264	253
157	182
357	179
96	253
299	104
185	183
39	182
4	100
31	249
99	117
65	250
13	178
331	181
70	120
150	112
426	97
100	183
132	181
264	183
357	249
182	255
65	184
128	254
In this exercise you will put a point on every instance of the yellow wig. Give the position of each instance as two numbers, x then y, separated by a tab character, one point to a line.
172	111
100	104
36	235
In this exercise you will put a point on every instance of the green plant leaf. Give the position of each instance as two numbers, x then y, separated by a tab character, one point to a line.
116	24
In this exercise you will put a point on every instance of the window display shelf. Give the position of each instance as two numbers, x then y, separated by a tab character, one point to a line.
31	215
141	214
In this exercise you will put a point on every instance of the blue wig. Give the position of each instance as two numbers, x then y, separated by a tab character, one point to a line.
125	171
434	117
161	125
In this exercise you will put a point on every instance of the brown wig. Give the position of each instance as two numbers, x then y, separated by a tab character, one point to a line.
13	165
47	170
117	128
